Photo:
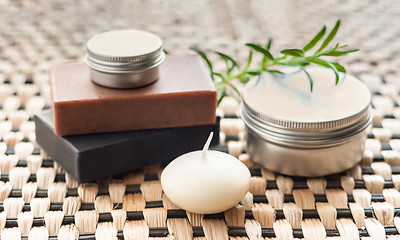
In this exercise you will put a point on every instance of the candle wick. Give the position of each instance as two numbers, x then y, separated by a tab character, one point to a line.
206	146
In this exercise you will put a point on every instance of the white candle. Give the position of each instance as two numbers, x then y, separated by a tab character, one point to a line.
205	181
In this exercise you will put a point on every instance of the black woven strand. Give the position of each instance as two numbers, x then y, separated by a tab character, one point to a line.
155	204
232	232
299	183
256	199
179	213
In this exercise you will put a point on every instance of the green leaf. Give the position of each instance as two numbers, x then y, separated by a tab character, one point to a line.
304	63
223	94
244	79
336	76
351	50
309	79
249	60
296	61
329	38
343	46
258	48
314	41
295	52
339	67
336	53
326	53
254	73
318	61
228	59
165	51
326	64
336	46
204	56
234	88
218	75
274	71
269	44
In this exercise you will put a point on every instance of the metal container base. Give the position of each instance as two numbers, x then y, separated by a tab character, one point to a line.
132	79
310	162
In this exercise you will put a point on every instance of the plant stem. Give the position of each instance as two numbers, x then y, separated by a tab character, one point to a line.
294	57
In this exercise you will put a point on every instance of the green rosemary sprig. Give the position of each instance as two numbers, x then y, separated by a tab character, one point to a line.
290	57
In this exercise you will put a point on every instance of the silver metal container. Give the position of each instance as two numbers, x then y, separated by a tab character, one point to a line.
125	58
293	131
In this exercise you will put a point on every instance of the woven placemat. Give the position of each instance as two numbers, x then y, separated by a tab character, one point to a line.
38	200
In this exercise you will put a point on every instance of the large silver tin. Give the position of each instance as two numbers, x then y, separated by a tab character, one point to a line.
305	148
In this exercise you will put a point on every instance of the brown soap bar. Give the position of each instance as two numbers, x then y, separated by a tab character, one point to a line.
184	95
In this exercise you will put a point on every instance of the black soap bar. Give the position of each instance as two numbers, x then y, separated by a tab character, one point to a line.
93	156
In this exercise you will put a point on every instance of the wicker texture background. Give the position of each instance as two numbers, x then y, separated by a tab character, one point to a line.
39	200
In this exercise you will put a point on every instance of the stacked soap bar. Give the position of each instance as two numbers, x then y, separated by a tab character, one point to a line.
184	95
91	156
95	131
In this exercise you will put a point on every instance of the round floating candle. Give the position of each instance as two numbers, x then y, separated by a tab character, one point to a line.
206	181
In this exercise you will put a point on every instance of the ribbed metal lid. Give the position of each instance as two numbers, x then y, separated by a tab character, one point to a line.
285	103
125	47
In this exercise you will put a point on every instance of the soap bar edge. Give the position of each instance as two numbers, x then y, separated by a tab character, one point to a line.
70	152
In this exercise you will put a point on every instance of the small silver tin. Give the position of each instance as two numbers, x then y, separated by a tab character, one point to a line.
126	58
295	132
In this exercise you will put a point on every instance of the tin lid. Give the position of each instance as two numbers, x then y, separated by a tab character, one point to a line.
284	103
124	50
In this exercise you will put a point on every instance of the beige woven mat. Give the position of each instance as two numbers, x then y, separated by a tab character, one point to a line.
37	198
